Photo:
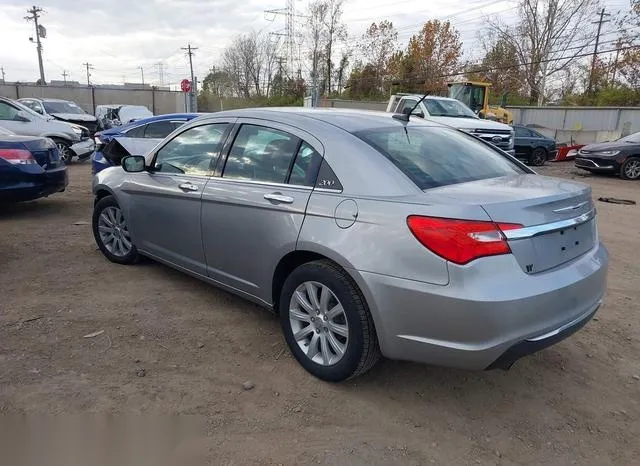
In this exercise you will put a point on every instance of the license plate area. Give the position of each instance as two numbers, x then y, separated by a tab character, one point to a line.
557	247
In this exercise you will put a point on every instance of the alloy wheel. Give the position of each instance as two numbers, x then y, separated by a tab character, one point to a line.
632	169
319	323
113	231
538	158
65	152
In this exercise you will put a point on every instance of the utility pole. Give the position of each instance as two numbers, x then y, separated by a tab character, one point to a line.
64	76
142	73
34	14
193	103
89	67
2	72
600	22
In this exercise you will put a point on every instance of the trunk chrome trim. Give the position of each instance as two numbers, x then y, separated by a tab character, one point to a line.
536	230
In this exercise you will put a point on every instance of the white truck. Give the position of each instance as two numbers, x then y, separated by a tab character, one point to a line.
452	112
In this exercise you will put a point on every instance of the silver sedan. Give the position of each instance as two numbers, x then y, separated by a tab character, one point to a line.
366	234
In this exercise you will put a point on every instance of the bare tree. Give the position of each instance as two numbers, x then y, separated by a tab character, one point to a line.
378	44
316	39
550	36
335	30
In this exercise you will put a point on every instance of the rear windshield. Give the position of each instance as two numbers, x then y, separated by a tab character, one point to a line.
435	156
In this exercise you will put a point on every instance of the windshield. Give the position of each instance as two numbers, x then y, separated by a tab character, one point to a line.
434	156
448	108
631	139
62	107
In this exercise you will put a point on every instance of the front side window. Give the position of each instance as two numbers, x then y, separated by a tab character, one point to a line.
406	105
521	132
259	153
433	156
158	129
193	152
8	112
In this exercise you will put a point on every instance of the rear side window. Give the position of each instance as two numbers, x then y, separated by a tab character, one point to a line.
305	168
261	154
137	132
159	129
434	156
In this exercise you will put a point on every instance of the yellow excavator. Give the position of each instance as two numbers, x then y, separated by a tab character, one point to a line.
475	95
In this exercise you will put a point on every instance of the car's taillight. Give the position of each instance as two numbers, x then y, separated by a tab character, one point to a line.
461	241
17	156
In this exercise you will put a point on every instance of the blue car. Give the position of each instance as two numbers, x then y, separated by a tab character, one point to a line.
157	127
30	168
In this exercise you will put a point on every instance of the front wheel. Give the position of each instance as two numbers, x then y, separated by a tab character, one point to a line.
64	149
538	157
326	323
111	232
631	169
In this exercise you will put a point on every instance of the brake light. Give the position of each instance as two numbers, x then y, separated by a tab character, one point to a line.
461	241
17	156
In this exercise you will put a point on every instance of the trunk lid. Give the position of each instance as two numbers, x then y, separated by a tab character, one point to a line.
556	215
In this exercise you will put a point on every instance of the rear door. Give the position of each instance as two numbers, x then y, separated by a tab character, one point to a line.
164	212
252	213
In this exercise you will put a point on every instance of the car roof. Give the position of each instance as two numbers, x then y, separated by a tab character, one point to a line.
44	99
144	121
350	120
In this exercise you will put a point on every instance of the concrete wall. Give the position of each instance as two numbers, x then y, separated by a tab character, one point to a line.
580	125
159	102
357	104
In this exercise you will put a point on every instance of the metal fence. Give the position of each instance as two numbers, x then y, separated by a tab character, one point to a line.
580	125
158	101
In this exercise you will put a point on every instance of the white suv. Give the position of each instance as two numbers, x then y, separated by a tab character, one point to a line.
452	112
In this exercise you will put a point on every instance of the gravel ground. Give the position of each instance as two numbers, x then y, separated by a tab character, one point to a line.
173	345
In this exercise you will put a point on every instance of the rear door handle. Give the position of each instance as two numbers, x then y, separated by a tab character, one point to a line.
188	186
279	198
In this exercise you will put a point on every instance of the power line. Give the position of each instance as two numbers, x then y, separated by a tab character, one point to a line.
34	14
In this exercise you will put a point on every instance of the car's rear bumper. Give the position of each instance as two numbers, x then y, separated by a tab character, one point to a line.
29	186
99	162
472	323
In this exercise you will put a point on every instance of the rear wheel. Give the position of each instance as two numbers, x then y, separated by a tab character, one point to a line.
631	169
64	148
538	157
111	232
326	323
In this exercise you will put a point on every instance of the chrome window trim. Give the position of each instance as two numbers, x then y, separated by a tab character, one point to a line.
262	183
536	230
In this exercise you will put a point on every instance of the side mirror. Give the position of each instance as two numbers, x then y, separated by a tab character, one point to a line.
22	116
133	163
419	114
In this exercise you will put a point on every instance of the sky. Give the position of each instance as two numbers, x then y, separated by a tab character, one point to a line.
119	36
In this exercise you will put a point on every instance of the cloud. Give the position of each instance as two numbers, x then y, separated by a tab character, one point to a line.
118	36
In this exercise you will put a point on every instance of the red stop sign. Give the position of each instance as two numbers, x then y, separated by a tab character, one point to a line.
185	85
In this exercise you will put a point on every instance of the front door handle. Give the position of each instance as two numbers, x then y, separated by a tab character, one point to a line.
188	186
279	198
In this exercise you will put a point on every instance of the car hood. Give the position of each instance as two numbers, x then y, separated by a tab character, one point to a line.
76	117
601	146
469	124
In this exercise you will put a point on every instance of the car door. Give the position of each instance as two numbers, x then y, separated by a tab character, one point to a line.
523	141
253	211
165	201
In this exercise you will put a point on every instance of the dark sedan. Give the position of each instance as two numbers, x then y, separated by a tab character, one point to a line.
533	147
30	168
621	156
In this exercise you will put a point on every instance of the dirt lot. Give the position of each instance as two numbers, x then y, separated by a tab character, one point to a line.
575	403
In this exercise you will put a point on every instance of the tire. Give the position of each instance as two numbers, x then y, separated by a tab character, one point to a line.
321	337
107	215
64	148
538	157
630	170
